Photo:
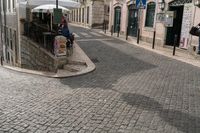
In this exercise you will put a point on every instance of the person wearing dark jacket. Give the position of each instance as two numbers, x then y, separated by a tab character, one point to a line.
65	30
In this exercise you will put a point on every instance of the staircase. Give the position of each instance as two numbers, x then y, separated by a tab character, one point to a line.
75	66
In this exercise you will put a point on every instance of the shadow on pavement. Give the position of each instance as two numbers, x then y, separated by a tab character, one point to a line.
111	64
182	121
141	101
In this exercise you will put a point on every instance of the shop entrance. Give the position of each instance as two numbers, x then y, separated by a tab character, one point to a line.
176	29
132	21
117	19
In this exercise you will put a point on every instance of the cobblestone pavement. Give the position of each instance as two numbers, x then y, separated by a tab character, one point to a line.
131	91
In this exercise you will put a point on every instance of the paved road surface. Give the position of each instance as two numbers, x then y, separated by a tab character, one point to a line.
131	91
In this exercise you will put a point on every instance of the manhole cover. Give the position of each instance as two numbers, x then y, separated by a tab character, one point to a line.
95	60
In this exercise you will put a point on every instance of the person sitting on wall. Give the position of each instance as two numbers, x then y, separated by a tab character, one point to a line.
66	32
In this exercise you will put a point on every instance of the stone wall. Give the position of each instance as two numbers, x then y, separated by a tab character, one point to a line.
36	58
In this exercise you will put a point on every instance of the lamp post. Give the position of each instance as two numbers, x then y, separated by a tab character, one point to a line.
161	4
56	4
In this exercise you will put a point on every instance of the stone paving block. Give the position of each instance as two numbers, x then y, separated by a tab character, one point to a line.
132	90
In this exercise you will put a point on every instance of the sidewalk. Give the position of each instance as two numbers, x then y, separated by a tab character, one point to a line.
78	59
180	54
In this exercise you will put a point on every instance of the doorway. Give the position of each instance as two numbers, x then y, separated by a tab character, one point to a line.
132	21
117	18
176	29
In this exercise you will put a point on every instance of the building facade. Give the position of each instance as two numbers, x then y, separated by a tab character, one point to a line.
92	13
9	48
128	19
23	40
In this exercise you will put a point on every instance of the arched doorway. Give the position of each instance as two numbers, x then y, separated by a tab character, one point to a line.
117	18
132	20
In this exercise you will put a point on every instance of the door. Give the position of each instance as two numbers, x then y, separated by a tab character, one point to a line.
117	19
132	21
176	29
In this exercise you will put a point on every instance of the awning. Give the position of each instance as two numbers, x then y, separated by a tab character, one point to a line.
46	7
65	3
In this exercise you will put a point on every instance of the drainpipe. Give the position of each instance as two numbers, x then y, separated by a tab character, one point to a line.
0	21
1	45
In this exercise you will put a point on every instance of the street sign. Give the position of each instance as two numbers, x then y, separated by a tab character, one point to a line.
160	17
141	4
57	13
169	17
166	18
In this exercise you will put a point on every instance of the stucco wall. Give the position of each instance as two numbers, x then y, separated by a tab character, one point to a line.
146	32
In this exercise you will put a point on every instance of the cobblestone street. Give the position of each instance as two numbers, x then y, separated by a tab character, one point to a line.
131	91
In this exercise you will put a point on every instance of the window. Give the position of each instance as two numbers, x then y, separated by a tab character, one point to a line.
76	15
150	14
1	5
72	15
79	20
11	44
1	33
7	36
88	14
4	3
82	15
8	56
16	47
9	4
13	6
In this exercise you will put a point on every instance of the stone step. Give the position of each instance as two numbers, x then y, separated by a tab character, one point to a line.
71	62
74	68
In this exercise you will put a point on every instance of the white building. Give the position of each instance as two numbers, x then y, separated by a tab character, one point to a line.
92	13
125	15
9	47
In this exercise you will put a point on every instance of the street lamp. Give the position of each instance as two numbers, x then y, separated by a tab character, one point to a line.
161	4
197	3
